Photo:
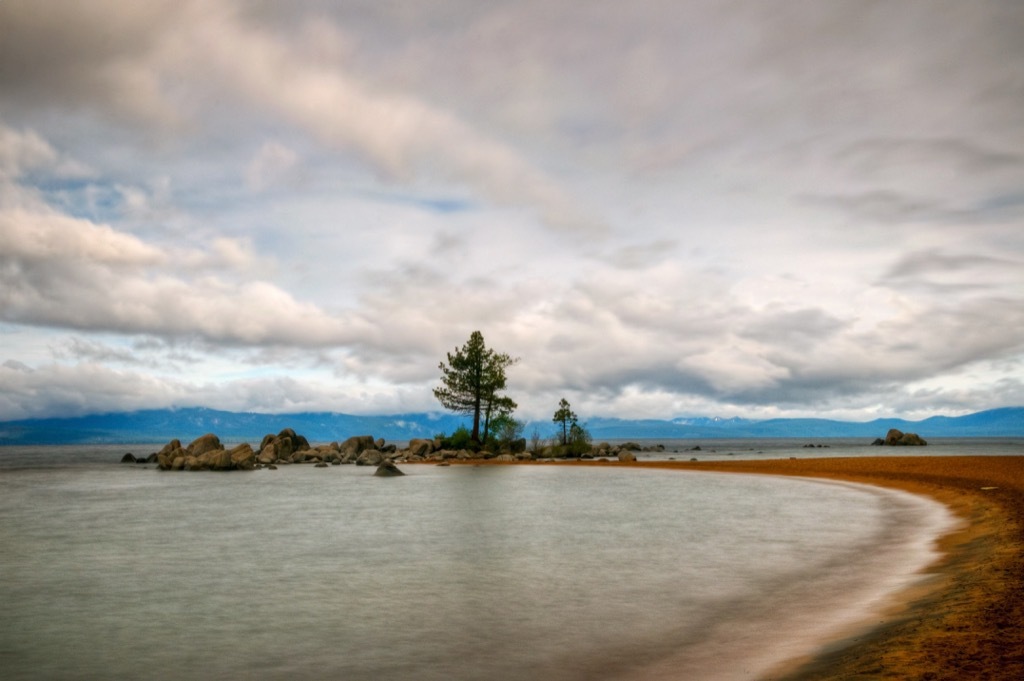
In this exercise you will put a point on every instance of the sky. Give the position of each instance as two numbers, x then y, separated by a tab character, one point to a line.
755	208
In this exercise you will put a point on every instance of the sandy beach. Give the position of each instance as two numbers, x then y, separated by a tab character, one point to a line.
969	622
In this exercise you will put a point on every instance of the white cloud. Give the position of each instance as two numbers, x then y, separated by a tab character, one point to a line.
757	208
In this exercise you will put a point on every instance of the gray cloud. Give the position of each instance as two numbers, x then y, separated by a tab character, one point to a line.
748	207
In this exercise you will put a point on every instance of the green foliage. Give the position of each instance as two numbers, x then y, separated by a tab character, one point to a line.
506	429
460	439
579	440
471	381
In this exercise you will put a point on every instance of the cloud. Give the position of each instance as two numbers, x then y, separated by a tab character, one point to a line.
663	208
274	164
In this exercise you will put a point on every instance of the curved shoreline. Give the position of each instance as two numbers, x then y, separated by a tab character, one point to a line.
970	624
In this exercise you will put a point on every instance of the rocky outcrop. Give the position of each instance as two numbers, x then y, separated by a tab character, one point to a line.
897	438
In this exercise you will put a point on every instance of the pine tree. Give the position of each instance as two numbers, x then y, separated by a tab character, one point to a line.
471	380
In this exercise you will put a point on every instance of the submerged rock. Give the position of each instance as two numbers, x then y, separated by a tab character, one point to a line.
387	470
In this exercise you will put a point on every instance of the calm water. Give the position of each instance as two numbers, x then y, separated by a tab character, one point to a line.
122	571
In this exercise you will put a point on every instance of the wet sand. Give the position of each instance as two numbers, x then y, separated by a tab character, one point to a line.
969	622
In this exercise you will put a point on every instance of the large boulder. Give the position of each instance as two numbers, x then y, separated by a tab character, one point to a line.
387	469
166	456
357	444
128	458
268	454
370	457
203	444
420	447
242	457
216	460
626	456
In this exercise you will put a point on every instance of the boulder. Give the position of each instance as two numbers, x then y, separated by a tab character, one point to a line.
129	458
321	464
216	460
268	454
630	447
505	458
242	457
626	456
357	444
387	469
285	447
170	447
178	464
912	440
203	444
420	447
370	457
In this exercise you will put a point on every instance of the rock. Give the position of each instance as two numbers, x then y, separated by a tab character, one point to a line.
268	454
420	447
370	457
203	444
285	447
379	444
878	442
152	458
129	458
387	469
242	457
178	464
170	447
630	447
267	439
626	456
216	460
505	458
321	464
896	438
357	444
912	440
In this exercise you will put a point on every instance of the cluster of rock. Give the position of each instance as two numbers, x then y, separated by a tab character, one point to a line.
897	438
288	447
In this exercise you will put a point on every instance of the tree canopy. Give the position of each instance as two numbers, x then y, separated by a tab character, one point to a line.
471	382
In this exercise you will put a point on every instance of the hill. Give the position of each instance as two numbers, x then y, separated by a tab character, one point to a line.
161	425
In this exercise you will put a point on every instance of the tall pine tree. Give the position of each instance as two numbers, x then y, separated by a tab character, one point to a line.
471	380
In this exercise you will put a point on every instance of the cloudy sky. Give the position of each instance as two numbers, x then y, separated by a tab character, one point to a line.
749	207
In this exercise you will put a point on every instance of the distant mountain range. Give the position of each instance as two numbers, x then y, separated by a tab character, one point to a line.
162	425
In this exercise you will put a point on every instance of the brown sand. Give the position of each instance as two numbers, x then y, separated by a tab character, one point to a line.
970	625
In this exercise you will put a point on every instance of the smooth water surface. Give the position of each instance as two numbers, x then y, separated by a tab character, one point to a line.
462	572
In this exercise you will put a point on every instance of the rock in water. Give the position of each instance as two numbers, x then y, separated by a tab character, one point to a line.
388	470
128	458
